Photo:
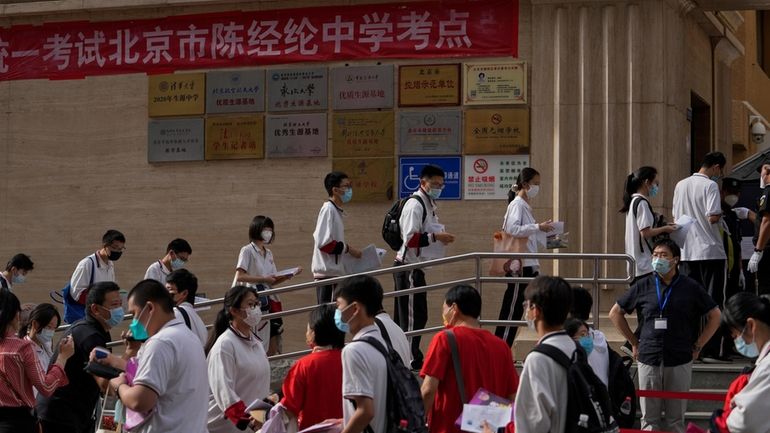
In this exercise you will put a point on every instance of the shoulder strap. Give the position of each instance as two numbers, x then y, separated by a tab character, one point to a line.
554	353
3	283
452	340
635	207
185	316
93	269
424	209
377	345
384	332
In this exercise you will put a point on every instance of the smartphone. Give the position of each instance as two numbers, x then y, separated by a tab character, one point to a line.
101	352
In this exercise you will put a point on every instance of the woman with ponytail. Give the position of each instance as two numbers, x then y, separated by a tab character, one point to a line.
239	372
641	185
520	223
748	318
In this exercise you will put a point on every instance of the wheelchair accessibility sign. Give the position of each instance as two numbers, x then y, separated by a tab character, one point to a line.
409	175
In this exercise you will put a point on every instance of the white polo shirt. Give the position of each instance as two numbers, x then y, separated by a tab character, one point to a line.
397	338
257	264
329	227
172	364
634	225
519	222
82	275
158	272
238	371
698	197
365	374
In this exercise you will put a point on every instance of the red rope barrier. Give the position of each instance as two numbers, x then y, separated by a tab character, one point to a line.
708	396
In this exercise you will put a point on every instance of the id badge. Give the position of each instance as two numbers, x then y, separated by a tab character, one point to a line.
661	323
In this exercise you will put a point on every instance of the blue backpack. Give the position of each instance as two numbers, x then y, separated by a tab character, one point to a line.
73	310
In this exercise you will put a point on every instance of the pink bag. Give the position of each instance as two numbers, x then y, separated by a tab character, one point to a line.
503	242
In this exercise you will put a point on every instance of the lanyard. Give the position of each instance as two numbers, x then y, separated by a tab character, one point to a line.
662	305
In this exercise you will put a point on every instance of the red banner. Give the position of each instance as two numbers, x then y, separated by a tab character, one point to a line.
452	28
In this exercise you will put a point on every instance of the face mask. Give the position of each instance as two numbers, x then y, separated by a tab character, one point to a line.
533	190
747	350
341	324
731	200
347	195
138	330
116	316
267	236
587	343
654	190
435	193
45	336
19	278
115	255
661	265
253	317
177	264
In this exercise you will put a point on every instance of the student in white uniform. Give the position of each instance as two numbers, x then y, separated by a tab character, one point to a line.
364	369
519	222
183	286
171	378
178	253
748	317
541	400
256	268
329	234
16	271
239	372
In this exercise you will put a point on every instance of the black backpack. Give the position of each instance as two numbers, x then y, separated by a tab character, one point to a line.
404	397
621	389
391	228
588	402
657	221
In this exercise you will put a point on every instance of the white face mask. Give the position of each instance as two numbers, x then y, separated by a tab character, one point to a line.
533	190
253	316
267	236
731	200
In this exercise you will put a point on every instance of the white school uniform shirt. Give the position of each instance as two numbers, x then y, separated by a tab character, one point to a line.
411	223
196	323
7	284
751	405
698	197
257	264
365	374
599	359
634	226
82	275
158	272
172	364
541	400
329	227
397	338
238	371
519	222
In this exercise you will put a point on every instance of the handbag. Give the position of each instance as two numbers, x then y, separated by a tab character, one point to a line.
503	242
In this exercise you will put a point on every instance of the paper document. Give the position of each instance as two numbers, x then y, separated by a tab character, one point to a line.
683	227
286	272
474	415
369	261
558	228
258	404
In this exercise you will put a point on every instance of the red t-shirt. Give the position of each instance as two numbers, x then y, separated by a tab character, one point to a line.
313	388
486	362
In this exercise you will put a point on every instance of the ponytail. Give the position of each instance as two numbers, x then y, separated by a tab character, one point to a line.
233	299
634	181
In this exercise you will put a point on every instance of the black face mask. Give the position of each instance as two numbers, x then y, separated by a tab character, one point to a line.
115	255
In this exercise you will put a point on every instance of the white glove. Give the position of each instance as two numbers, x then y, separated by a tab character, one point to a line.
741	281
741	212
754	261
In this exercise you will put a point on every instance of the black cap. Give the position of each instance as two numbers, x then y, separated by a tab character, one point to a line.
731	184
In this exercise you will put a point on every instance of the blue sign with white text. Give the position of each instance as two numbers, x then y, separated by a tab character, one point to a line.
409	175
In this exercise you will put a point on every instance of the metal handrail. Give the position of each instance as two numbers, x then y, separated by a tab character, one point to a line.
595	281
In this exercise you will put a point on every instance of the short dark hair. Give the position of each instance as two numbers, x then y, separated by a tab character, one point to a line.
573	325
150	290
363	289
321	322
9	308
554	297
582	301
333	180
97	292
42	314
466	298
111	236
431	170
714	158
179	245
670	244
259	223
184	280
20	261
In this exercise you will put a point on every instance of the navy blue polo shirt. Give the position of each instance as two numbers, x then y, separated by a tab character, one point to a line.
686	305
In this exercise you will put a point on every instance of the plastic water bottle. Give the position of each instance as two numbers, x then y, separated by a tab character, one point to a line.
625	408
583	420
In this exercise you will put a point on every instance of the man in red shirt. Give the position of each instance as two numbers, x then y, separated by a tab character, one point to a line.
485	362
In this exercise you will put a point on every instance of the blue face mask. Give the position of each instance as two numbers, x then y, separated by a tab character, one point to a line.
116	316
347	195
654	190
587	342
19	278
747	350
138	330
177	264
435	193
661	265
341	324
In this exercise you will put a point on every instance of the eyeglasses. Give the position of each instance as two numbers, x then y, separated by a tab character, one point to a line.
116	249
436	185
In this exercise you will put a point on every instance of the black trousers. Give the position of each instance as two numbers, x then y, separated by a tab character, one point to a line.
52	427
324	293
17	420
712	274
411	312
513	306
763	274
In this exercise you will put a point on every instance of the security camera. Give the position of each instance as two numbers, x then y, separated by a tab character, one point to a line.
758	130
